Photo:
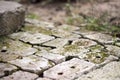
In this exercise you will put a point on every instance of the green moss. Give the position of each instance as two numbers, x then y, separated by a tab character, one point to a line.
12	45
96	47
82	43
97	24
35	29
32	16
97	57
3	40
19	46
71	48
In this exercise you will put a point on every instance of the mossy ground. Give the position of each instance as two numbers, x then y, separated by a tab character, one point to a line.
37	29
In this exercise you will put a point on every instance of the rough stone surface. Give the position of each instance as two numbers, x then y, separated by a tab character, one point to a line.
70	50
44	79
21	75
33	64
96	57
113	50
61	33
84	42
8	46
36	38
42	51
57	43
108	72
6	69
42	48
32	38
8	56
96	48
56	58
40	23
12	17
68	70
103	38
37	29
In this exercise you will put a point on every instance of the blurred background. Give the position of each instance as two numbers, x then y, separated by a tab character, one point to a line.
93	15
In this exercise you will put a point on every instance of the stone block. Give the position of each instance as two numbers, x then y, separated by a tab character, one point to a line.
21	75
12	16
6	69
108	72
68	70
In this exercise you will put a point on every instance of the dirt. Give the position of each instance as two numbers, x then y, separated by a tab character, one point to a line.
50	12
59	12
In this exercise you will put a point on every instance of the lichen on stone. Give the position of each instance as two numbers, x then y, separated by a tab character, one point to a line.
96	48
97	57
71	48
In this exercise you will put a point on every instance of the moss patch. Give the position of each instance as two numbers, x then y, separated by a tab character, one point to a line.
70	49
32	16
4	41
96	48
13	46
97	57
82	43
37	29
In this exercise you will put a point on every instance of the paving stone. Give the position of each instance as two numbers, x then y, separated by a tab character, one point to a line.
103	38
108	72
96	48
96	57
4	57
72	37
6	69
33	64
32	38
70	50
21	75
9	46
97	54
68	70
37	29
12	16
83	32
36	38
40	23
77	48
61	33
41	48
53	57
84	42
57	43
18	35
43	79
113	50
